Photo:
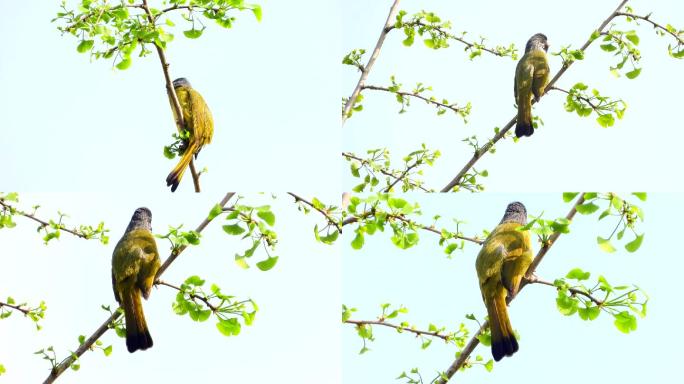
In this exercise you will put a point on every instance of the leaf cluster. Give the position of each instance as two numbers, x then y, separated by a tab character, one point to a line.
199	305
116	31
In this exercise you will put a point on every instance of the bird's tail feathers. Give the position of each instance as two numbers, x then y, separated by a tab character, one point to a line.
137	335
174	178
523	126
503	338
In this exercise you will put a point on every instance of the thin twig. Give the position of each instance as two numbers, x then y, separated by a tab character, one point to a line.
585	99
194	296
382	322
15	307
452	107
180	122
485	148
574	291
330	219
451	36
66	363
43	223
474	341
655	25
403	174
390	216
366	69
383	171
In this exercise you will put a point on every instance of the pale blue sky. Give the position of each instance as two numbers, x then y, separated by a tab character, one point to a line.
552	347
297	324
569	152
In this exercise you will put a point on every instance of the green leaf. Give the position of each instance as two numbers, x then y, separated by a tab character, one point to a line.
589	313
640	195
256	10
167	152
566	305
357	243
450	248
229	327
625	322
606	120
632	36
569	196
485	338
608	47
605	244
577	274
124	64
267	216
215	211
107	351
267	264
85	46
489	365
633	74
194	280
396	203
633	245
233	229
587	208
240	261
193	33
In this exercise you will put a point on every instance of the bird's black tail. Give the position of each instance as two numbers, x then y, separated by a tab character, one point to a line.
523	128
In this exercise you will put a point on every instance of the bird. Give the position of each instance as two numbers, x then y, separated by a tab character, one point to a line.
501	265
198	122
531	79
135	263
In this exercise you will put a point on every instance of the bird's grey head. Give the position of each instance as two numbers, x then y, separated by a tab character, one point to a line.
142	219
181	82
537	42
515	212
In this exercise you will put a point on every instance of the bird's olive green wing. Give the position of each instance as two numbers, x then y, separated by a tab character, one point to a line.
523	79
517	259
183	94
202	120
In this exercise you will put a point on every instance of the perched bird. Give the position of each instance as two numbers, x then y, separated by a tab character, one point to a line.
501	265
198	122
135	263
531	78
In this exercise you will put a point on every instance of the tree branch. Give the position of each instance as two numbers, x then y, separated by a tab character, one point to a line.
647	18
349	155
43	223
448	35
15	307
180	122
452	107
485	148
403	174
468	349
398	327
330	219
575	291
194	296
366	214
66	363
366	69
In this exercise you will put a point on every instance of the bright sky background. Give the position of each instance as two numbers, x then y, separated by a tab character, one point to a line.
442	291
77	125
297	324
568	152
77	128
